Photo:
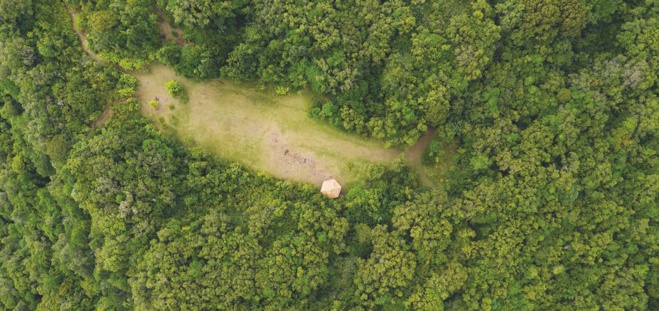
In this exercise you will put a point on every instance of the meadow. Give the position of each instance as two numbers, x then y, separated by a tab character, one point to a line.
270	133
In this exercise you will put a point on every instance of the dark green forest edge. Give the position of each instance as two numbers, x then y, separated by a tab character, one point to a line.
551	203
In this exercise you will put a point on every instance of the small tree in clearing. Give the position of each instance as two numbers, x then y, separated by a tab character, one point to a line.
174	88
154	104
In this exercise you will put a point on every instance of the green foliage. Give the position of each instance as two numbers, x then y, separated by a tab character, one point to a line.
121	32
282	90
195	13
552	203
174	88
154	104
177	90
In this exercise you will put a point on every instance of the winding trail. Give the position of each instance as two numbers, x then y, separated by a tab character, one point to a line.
415	157
82	37
107	113
166	29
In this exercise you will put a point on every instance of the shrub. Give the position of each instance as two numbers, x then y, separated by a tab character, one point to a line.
175	89
282	90
154	104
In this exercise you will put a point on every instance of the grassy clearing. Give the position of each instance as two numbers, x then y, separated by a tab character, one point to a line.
270	133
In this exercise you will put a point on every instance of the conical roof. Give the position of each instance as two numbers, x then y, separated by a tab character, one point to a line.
331	188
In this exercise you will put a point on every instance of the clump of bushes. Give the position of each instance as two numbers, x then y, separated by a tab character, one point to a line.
175	89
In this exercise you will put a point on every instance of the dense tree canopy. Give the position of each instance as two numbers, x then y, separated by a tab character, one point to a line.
551	204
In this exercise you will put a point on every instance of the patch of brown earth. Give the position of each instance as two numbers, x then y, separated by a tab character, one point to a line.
168	31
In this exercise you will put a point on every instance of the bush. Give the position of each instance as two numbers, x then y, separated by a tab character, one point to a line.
282	90
175	89
154	104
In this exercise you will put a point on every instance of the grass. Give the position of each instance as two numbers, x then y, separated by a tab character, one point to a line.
267	132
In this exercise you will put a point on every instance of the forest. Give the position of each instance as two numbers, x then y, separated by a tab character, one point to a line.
551	203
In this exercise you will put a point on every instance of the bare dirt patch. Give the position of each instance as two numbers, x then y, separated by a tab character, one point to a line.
102	118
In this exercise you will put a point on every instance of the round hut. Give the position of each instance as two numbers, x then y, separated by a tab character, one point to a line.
331	188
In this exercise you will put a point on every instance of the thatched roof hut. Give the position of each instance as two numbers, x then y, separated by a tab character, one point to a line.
331	188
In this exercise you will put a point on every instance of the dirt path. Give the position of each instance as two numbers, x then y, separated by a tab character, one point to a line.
272	134
166	29
415	154
107	113
82	37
